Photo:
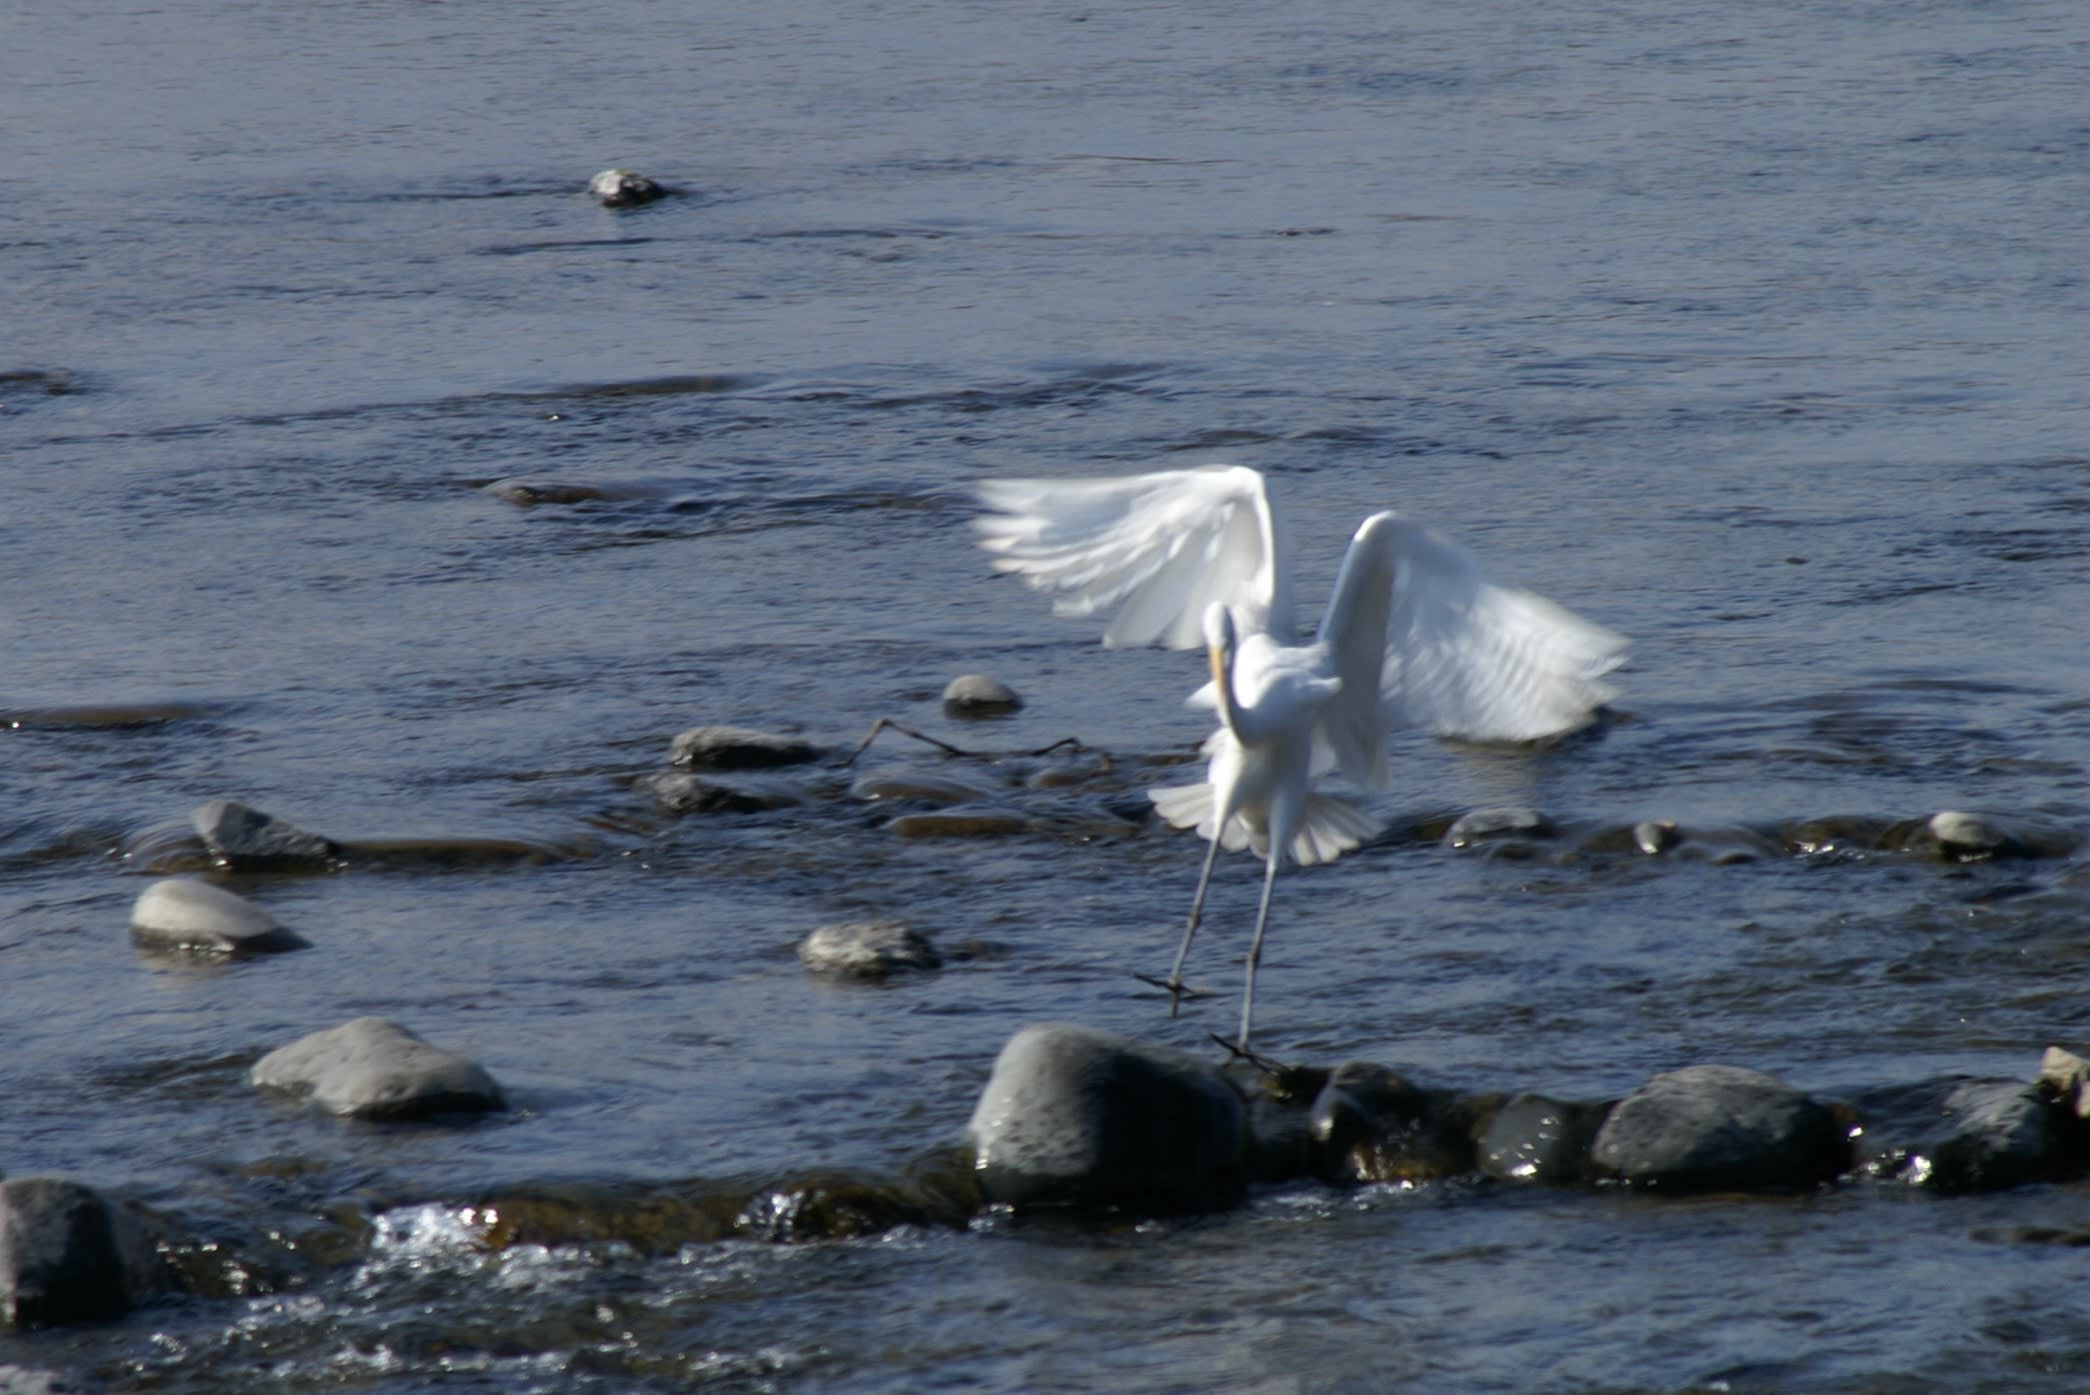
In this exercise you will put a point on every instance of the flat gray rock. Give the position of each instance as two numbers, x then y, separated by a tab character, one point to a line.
199	918
239	836
68	1255
1486	825
871	949
373	1068
1074	1115
1719	1128
738	748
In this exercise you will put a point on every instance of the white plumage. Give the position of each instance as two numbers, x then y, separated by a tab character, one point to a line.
1416	634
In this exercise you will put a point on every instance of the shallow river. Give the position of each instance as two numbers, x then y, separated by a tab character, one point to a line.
1754	332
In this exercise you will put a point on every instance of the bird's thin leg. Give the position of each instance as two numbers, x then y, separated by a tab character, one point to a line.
1174	985
1255	950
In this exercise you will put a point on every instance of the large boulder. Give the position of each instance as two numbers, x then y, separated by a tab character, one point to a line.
373	1068
1074	1115
1709	1128
69	1255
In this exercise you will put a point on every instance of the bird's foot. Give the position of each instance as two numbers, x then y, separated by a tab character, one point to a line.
1238	1051
1176	989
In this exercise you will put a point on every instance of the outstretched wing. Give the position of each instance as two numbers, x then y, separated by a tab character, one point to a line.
1160	548
1421	635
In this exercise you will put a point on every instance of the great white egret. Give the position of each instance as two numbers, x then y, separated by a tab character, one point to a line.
1416	634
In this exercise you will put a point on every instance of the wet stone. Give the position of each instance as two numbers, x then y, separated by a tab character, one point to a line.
622	188
67	1254
738	748
1533	1138
196	917
960	823
372	1068
1957	836
904	784
239	836
977	695
870	949
1960	1136
1709	1128
1485	825
1077	1116
527	493
1372	1124
682	792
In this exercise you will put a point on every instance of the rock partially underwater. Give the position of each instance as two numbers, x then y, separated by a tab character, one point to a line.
1077	1116
199	918
372	1068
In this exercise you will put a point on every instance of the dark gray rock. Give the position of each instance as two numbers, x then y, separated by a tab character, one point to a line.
1959	1135
198	918
1719	1128
1533	1138
977	695
1372	1124
915	785
738	748
372	1068
872	949
245	838
622	188
1073	1115
682	792
69	1255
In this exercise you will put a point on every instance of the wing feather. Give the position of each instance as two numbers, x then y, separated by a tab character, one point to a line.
1158	548
1422	635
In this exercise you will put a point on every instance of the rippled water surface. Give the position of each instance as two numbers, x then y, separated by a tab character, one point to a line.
1754	332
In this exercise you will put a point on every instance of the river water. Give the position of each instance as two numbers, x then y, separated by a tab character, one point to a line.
1753	332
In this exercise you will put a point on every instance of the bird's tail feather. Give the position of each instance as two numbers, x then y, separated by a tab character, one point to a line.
1330	827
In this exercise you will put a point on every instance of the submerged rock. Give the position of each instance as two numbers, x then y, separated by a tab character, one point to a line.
909	784
738	748
962	822
372	1068
1719	1128
1485	825
1533	1138
1956	836
181	914
867	949
1074	1115
622	188
69	1255
528	493
977	695
245	838
682	792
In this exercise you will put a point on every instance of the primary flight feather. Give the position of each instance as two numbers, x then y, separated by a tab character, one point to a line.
1416	634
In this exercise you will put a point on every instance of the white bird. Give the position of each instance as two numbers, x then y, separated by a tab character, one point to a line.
1416	634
